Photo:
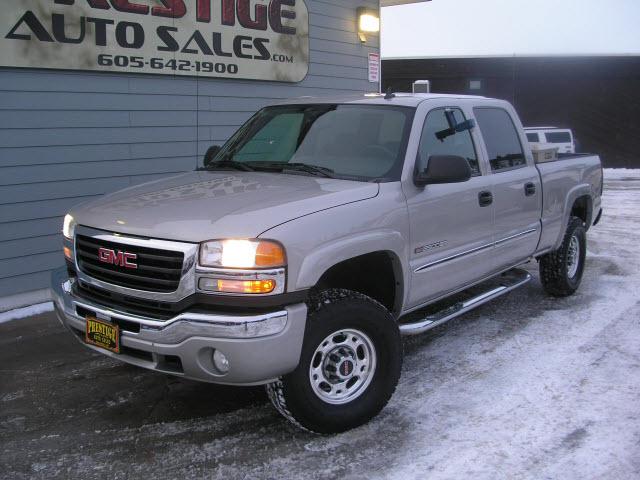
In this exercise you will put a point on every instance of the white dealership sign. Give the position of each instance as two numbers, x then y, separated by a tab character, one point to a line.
248	39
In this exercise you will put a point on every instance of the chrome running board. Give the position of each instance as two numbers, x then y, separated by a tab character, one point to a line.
482	294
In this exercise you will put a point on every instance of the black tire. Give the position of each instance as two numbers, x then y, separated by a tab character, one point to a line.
555	266
330	312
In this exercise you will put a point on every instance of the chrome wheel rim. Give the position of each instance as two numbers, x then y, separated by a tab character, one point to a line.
342	366
573	257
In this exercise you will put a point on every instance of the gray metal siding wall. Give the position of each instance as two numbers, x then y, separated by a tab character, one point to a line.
67	137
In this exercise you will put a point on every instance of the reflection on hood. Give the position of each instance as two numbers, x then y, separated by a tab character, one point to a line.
203	205
215	188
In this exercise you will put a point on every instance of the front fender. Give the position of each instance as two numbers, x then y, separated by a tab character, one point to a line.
315	243
318	261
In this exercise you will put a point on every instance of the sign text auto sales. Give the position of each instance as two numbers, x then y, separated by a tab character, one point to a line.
251	39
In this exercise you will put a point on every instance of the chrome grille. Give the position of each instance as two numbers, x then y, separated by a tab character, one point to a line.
157	270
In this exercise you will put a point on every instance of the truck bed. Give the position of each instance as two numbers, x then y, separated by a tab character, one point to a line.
578	174
562	156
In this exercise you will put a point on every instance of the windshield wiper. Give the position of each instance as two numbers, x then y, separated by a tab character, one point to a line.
302	167
226	164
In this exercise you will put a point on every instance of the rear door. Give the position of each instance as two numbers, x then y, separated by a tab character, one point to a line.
451	232
517	194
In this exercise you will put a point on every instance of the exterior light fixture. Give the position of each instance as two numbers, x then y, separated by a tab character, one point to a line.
368	22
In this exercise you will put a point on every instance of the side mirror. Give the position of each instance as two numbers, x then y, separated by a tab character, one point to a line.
212	151
444	169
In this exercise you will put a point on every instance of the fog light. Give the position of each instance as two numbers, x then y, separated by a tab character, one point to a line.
220	361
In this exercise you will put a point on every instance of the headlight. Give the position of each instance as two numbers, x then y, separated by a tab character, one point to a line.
242	254
68	226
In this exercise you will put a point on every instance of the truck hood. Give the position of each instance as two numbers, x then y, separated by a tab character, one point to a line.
203	205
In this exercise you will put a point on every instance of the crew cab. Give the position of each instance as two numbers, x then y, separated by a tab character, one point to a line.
325	229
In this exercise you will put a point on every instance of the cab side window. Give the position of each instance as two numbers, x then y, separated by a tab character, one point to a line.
460	144
501	138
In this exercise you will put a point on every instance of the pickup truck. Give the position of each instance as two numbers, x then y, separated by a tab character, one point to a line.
323	231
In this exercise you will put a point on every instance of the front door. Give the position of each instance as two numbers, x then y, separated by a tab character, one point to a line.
451	224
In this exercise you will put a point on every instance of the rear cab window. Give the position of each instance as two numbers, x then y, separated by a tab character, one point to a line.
501	139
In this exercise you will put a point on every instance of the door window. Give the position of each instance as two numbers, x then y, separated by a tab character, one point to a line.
501	138
460	144
533	137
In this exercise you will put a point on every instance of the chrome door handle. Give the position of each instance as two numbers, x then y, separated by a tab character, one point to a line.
529	189
485	199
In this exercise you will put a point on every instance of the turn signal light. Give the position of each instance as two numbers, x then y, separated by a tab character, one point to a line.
246	286
269	254
237	286
67	252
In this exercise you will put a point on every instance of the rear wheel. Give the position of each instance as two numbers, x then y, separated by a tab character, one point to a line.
349	367
561	271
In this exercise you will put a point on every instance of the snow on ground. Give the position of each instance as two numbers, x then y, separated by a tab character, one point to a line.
526	387
26	312
622	173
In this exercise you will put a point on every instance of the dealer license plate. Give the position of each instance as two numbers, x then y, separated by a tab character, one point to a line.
102	334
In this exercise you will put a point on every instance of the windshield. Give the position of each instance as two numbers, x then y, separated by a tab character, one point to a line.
356	142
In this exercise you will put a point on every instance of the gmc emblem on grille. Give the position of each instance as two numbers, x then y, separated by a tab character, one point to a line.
118	258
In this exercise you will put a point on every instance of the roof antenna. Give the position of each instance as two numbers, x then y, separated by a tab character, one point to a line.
389	95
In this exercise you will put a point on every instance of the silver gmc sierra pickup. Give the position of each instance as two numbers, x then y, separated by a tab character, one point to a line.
319	234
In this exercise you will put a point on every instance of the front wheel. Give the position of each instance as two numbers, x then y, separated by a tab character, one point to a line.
561	271
349	366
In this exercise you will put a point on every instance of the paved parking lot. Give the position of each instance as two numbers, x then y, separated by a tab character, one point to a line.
525	387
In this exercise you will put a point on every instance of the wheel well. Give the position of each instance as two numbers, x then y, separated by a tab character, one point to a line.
582	208
375	274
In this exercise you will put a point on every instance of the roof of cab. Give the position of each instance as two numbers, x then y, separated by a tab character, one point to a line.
399	99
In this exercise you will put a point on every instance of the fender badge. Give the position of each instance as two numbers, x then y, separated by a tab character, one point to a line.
431	246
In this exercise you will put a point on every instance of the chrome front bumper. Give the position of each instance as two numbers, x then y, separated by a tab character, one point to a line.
259	348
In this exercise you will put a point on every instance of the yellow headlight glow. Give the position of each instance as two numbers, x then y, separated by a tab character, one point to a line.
238	253
242	254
